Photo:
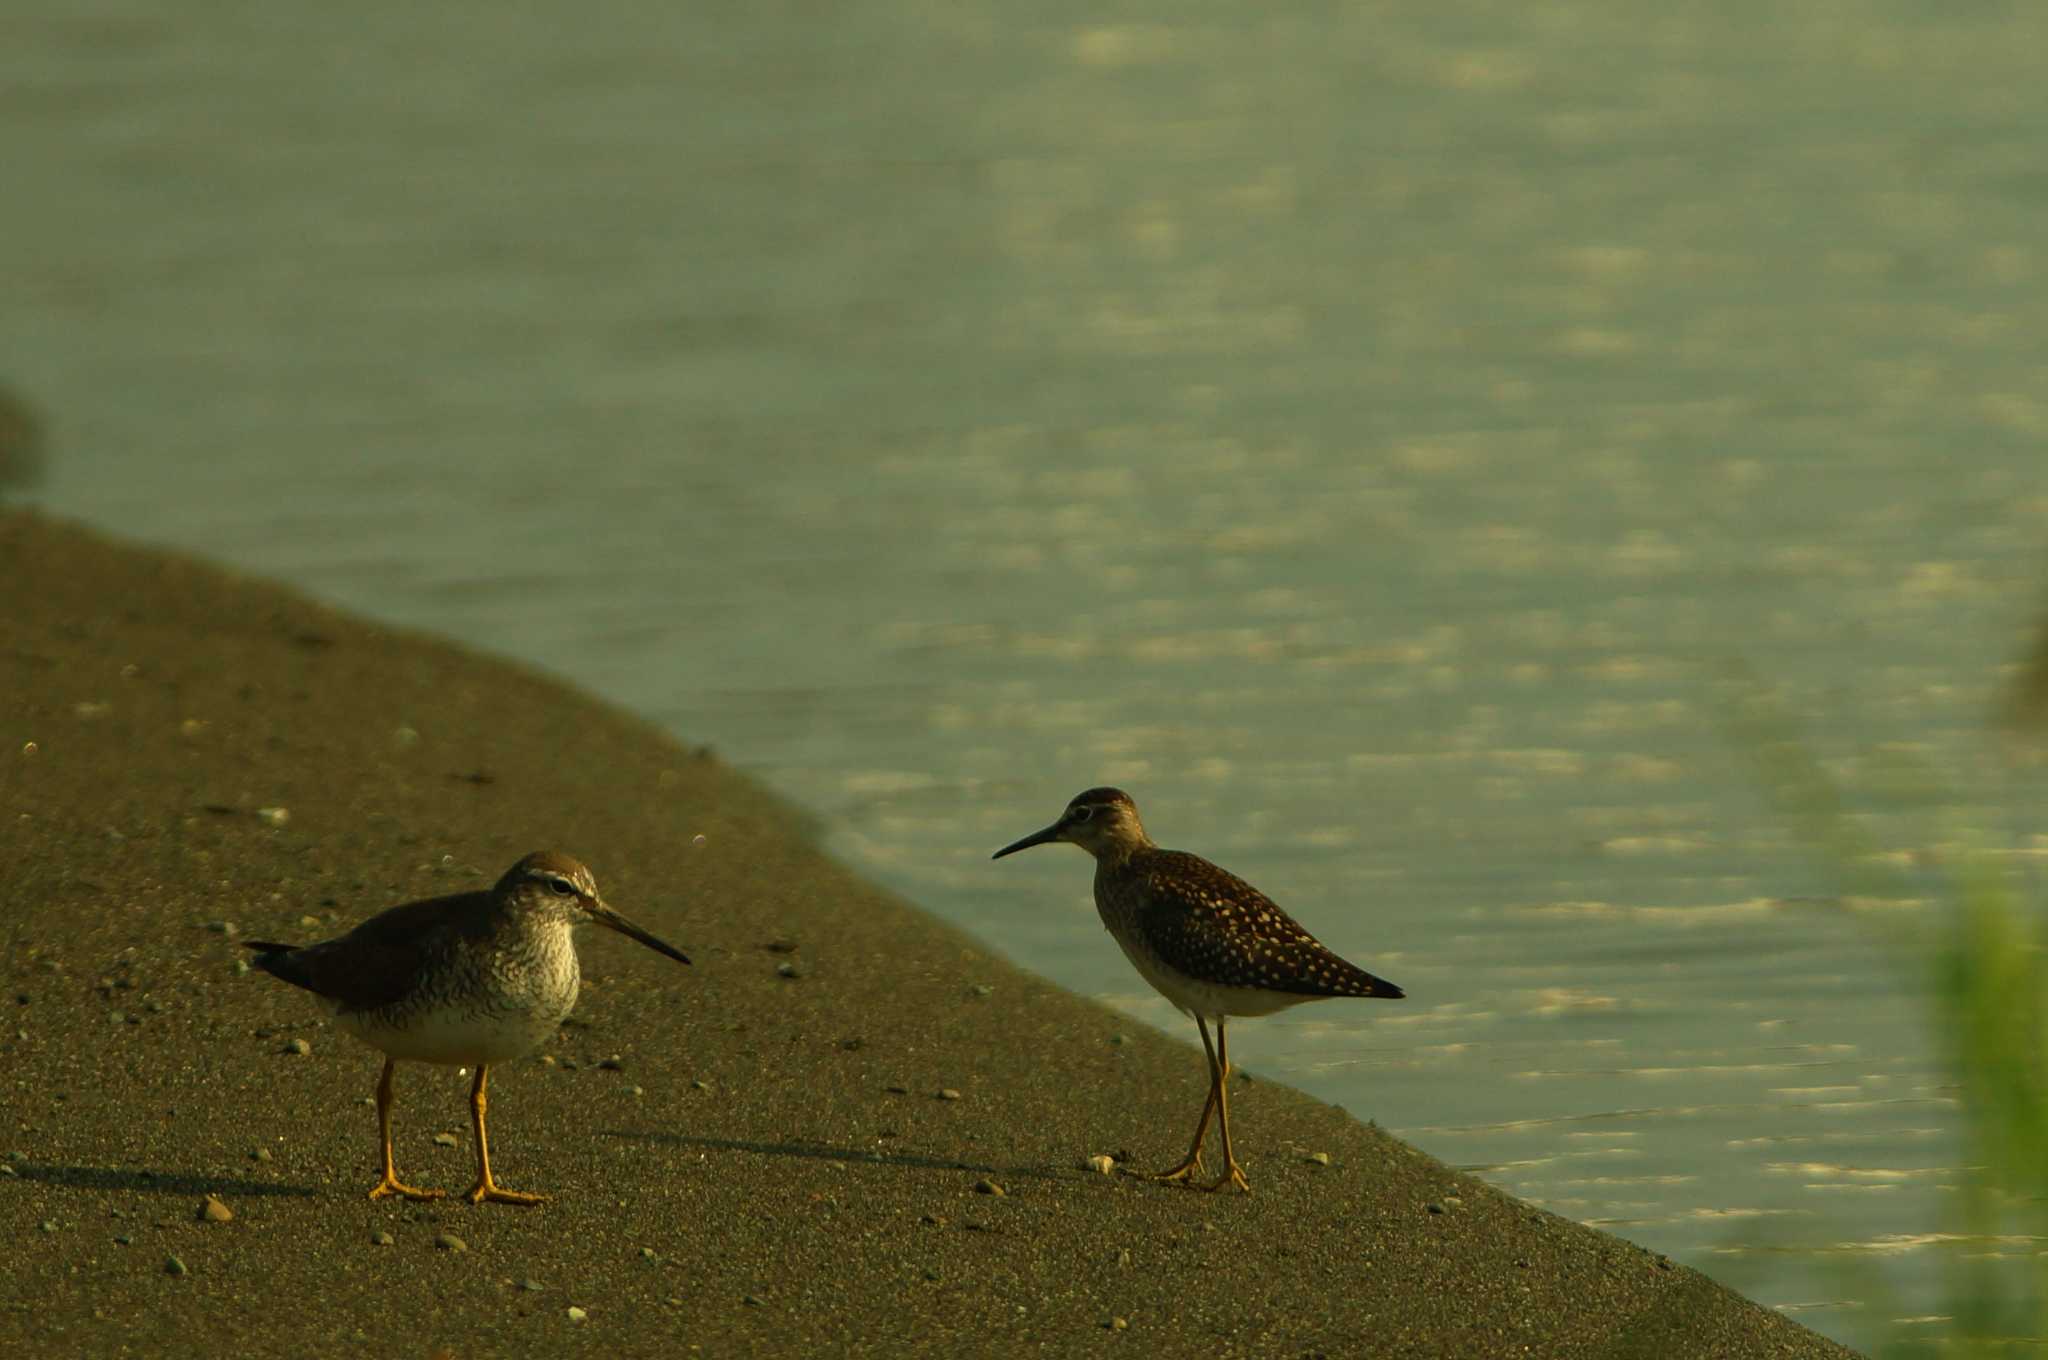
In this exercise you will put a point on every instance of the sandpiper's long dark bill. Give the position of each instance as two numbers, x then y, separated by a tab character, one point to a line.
468	980
1206	940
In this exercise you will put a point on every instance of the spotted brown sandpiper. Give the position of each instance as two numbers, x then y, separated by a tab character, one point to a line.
466	980
1206	940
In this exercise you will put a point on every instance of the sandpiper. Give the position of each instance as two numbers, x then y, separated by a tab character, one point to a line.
1206	940
466	980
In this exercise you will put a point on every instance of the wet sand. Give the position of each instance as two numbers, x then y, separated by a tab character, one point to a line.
767	1168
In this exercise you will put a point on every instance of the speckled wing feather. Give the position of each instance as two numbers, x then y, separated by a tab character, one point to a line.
1212	925
377	963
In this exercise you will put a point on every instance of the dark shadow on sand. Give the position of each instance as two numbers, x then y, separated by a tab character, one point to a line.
155	1182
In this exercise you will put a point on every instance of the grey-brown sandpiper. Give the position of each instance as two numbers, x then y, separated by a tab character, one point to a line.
467	980
1206	940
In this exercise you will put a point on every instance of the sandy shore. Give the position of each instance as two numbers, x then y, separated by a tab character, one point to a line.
769	1166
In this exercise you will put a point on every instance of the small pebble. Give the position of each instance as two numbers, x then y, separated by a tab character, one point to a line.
7	1169
613	1064
259	1154
174	1266
1102	1164
532	1286
788	970
1117	1324
300	1047
949	1094
699	1084
221	927
988	1187
1123	1258
752	1301
450	1242
123	1240
382	1239
1118	1040
1435	1208
576	1314
274	816
211	1210
48	1225
983	989
1319	1158
636	1090
647	1253
444	1140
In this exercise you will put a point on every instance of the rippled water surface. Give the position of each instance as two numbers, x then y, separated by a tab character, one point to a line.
1375	436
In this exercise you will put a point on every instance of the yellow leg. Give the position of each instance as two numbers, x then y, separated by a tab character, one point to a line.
486	1188
1192	1163
391	1185
1233	1174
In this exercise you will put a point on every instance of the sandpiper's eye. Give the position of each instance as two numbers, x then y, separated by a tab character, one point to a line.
561	887
1080	814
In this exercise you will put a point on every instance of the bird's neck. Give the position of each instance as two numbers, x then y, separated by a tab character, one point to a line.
1116	853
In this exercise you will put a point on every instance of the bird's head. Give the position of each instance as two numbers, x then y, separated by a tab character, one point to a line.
1104	822
559	888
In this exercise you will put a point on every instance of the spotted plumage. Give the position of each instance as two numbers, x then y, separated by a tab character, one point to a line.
470	979
1206	940
1212	927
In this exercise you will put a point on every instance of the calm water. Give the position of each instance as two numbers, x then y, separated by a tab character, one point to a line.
1371	434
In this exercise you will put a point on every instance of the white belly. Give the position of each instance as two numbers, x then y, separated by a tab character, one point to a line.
1208	1000
456	1038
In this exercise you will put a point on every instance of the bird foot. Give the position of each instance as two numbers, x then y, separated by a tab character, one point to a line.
1232	1177
1189	1168
497	1194
391	1185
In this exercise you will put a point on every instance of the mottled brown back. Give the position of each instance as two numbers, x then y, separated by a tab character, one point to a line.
1212	925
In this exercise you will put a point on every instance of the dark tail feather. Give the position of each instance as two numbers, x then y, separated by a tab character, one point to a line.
1377	988
274	959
